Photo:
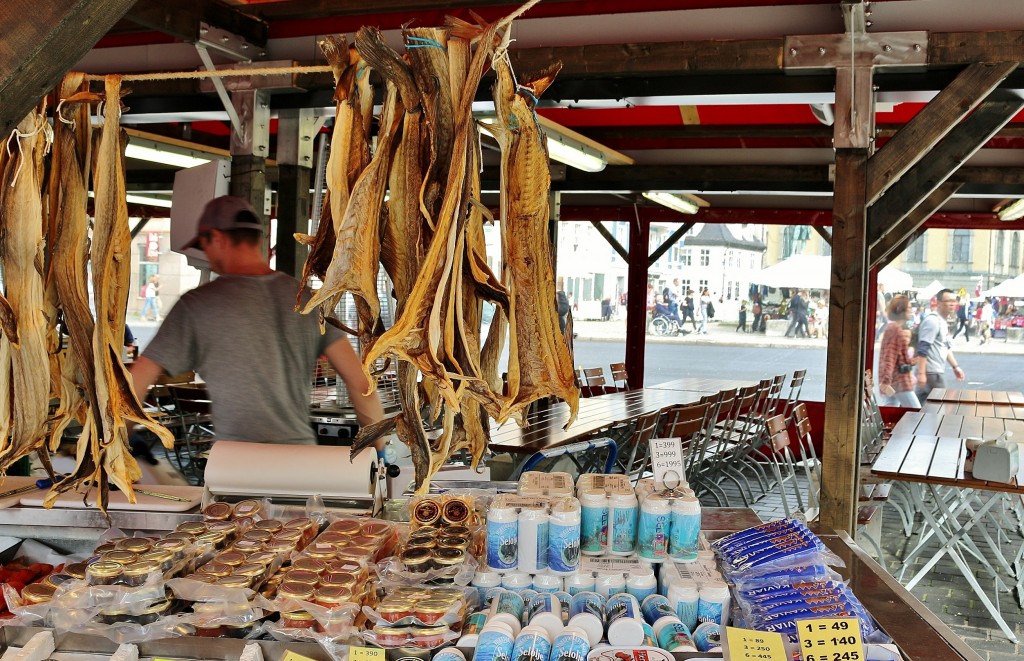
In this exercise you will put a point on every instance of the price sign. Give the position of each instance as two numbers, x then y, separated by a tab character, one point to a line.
745	644
831	639
667	461
365	654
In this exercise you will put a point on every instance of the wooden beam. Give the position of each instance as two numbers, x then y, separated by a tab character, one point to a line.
823	232
696	177
182	20
933	123
960	144
42	40
636	302
669	242
612	241
895	239
844	372
963	48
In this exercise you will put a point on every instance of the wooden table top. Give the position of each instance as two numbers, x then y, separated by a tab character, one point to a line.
957	426
978	409
934	460
700	384
1011	397
544	427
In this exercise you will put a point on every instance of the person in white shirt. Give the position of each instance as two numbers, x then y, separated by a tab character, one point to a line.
985	319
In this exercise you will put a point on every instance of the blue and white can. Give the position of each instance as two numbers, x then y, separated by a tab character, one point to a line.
684	596
685	529
496	643
654	528
581	582
545	611
508	607
713	605
594	526
707	636
622	613
573	644
449	654
586	612
622	517
674	636
564	537
503	539
655	607
650	639
532	644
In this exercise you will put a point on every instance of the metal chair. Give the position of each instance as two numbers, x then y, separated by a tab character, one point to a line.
781	458
634	455
686	422
595	380
793	397
192	409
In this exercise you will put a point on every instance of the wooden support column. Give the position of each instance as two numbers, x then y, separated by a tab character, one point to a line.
249	149
636	304
844	377
295	129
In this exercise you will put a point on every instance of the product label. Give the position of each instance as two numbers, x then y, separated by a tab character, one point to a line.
656	607
750	645
707	637
587	602
674	636
609	565
709	611
365	654
570	647
684	535
556	482
523	502
503	545
544	603
623	533
543	541
494	646
509	602
667	461
652	536
649	638
475	624
594	529
696	572
619	607
563	548
531	647
686	611
830	638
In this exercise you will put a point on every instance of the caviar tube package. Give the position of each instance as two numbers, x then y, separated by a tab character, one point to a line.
798	589
770	529
787	576
736	555
785	605
749	593
806	611
807	552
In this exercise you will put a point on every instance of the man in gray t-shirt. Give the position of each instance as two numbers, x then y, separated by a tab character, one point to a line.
241	334
933	346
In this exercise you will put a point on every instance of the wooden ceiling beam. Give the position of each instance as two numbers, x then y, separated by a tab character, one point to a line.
898	237
945	158
42	40
934	122
183	20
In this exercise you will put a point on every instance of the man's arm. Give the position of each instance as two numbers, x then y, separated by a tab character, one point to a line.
145	372
957	371
344	359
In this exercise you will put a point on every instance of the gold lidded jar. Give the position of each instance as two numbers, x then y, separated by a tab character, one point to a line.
121	557
292	536
273	526
453	542
430	611
216	569
218	512
175	546
103	572
298	619
456	511
263	558
235	581
342	579
417	560
248	546
136	573
37	593
421	543
194	528
250	508
229	528
75	570
310	564
215	540
280	546
458	531
233	558
427	512
163	557
137	545
296	591
258	535
254	571
302	576
447	557
332	596
344	526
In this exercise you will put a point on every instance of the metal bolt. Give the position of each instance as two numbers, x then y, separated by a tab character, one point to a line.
306	138
263	53
917	48
887	48
245	46
305	158
874	88
792	51
224	40
868	24
203	31
821	50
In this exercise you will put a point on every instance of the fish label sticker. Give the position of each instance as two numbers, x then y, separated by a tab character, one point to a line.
667	461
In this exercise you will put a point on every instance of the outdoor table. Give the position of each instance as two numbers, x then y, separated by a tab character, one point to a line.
955	425
978	409
700	384
1013	397
934	464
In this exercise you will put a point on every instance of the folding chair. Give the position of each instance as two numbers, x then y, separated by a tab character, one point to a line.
781	458
192	407
808	458
595	380
686	422
634	455
620	379
793	397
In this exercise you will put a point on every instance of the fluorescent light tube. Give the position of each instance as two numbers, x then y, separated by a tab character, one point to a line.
680	204
1012	211
180	160
575	155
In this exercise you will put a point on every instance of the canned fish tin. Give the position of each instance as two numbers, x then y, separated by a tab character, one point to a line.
564	537
496	642
507	607
707	636
532	644
502	539
594	525
655	607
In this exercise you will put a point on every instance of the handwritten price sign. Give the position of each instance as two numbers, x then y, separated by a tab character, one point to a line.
667	460
748	645
831	639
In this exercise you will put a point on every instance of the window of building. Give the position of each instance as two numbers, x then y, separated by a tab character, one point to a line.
1015	250
916	250
705	257
685	285
685	257
960	247
703	284
1000	247
728	289
736	291
728	258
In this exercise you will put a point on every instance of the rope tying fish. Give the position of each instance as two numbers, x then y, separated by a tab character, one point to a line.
41	125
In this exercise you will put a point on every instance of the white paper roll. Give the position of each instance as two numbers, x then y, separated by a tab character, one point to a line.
265	469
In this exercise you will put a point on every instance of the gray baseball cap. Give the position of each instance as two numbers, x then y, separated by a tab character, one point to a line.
225	213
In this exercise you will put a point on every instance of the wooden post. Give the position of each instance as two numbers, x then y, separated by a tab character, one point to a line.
636	303
844	377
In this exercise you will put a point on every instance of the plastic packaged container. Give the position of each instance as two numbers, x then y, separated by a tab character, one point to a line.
622	614
653	528
532	644
545	611
594	522
673	636
484	580
642	583
533	540
684	597
564	537
507	607
656	607
572	644
581	582
516	581
713	605
685	529
622	519
586	613
545	582
502	539
607	585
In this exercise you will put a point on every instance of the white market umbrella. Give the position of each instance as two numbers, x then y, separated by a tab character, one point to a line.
1013	288
931	289
815	272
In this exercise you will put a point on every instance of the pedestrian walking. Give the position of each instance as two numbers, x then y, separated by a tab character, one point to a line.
151	304
986	318
962	323
688	309
934	346
742	325
895	365
704	311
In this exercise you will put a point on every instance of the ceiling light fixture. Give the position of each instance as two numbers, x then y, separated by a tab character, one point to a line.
1012	211
168	151
680	204
148	201
575	154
